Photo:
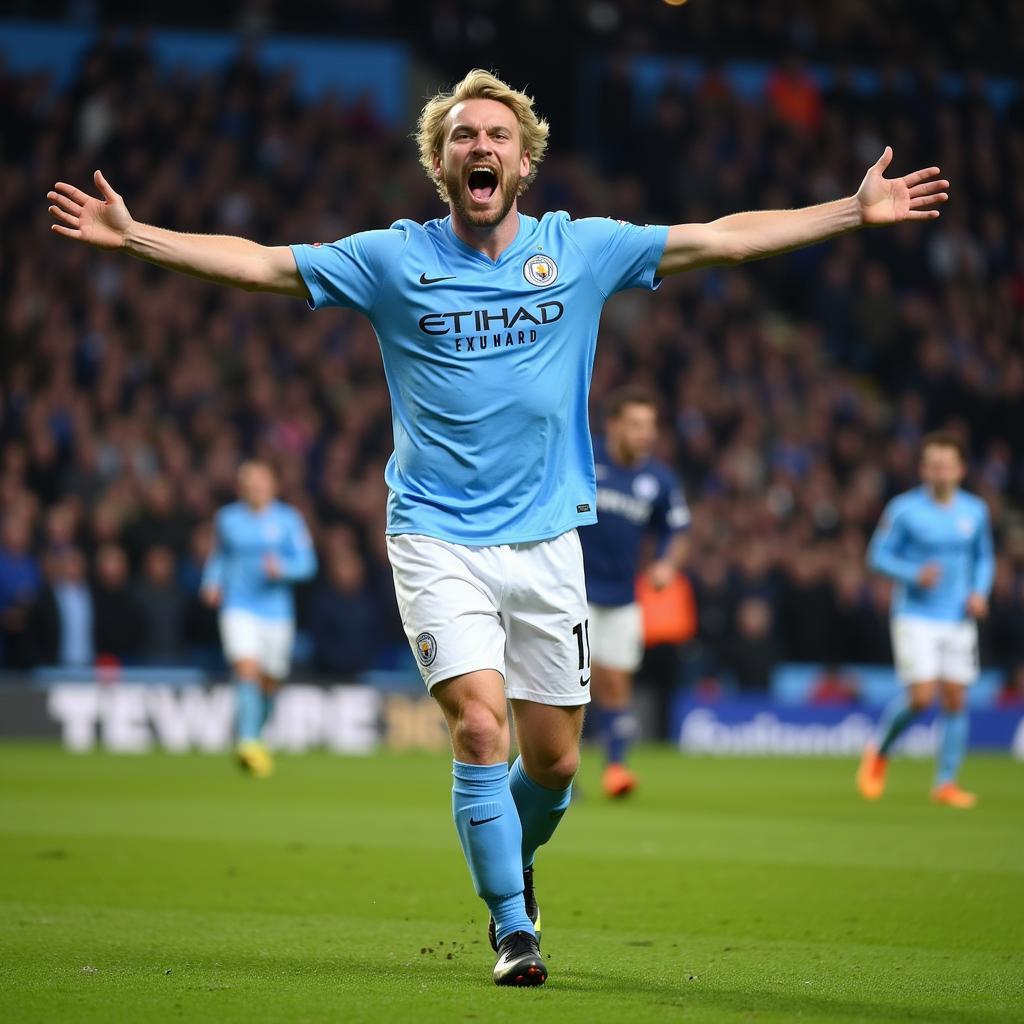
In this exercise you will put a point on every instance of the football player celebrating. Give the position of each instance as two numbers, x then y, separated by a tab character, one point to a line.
487	321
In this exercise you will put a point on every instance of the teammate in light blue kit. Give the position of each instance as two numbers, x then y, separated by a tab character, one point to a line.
936	543
637	497
261	550
487	322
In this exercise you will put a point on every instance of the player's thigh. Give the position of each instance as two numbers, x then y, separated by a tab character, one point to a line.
549	740
240	636
547	650
617	636
448	607
958	653
916	651
277	643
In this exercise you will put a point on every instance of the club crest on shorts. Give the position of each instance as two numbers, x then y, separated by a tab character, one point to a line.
540	270
426	648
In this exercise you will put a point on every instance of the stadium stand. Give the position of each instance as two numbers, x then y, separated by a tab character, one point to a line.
794	392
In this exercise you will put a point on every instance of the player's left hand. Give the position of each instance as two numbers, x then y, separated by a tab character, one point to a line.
977	606
660	574
915	196
272	567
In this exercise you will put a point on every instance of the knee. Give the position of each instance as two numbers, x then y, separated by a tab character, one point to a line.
556	772
921	697
564	770
481	734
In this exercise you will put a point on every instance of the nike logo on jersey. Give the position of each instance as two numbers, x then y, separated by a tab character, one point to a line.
433	280
584	682
483	821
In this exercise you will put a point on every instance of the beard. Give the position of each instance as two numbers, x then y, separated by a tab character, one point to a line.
457	189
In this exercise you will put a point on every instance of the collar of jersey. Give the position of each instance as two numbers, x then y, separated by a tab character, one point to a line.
524	232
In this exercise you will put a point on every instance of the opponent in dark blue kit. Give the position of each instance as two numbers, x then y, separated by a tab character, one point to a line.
637	497
487	321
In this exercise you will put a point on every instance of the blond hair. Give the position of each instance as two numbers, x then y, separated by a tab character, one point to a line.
480	85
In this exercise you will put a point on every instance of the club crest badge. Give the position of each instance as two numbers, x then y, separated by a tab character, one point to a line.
645	487
426	648
540	270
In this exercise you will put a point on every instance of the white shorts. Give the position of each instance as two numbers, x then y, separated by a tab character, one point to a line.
520	609
617	635
927	650
268	642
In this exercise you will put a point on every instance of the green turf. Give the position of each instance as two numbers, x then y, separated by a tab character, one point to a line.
171	888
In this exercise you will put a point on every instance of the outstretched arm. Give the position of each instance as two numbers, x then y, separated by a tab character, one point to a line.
106	224
750	236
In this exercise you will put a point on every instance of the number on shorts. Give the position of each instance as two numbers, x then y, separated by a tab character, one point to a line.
580	630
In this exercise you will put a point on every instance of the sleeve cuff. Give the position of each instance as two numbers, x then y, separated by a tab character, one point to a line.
659	239
308	275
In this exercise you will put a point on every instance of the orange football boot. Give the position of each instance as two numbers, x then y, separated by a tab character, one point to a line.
950	794
618	781
871	773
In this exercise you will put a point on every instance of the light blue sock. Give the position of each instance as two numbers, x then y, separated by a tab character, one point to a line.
897	715
488	825
540	809
953	730
248	709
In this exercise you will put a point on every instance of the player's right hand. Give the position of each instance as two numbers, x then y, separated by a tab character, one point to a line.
929	575
211	596
103	223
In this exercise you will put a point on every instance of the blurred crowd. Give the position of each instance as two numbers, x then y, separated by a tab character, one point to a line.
988	34
794	391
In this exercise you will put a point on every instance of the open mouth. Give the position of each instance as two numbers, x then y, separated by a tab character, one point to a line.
482	183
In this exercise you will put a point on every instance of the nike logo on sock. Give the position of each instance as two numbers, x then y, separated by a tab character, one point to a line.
483	821
433	280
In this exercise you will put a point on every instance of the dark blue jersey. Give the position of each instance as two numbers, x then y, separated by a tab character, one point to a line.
632	501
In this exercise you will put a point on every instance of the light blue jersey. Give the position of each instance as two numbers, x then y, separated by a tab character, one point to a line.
916	530
244	538
488	363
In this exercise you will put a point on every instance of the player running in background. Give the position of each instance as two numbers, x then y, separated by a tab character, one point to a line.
261	550
487	321
936	543
637	497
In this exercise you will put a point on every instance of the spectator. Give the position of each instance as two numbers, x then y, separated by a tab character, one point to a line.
795	97
753	653
119	623
62	621
343	616
159	523
162	605
20	580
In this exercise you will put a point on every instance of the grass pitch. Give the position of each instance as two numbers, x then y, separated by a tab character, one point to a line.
172	888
